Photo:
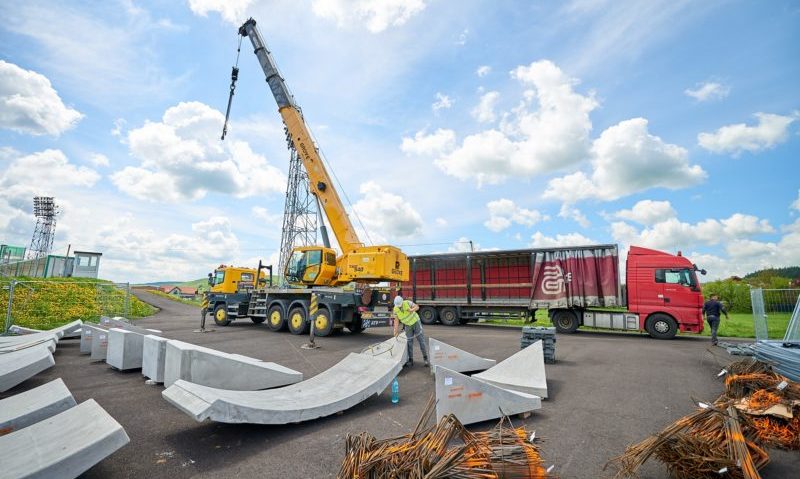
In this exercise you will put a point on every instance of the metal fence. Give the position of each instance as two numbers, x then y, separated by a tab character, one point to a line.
42	304
772	312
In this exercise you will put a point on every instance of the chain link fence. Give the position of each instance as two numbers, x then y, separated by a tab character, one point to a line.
46	304
772	311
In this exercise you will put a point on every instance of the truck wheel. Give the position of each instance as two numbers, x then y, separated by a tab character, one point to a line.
277	321
297	321
448	316
221	315
427	314
323	324
257	320
355	326
661	326
565	321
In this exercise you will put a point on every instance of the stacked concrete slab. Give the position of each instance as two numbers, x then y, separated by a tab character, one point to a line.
154	355
29	407
209	367
472	400
531	334
455	359
17	366
349	382
523	372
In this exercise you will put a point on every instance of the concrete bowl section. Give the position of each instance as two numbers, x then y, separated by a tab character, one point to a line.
18	366
154	354
454	359
29	407
349	382
216	369
69	330
62	446
472	400
124	349
10	344
522	371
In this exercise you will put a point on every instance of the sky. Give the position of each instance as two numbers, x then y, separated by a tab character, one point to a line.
673	125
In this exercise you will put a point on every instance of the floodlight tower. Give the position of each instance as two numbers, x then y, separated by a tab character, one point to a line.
46	210
300	212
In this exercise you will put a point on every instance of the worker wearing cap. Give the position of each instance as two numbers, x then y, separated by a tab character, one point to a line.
405	312
713	309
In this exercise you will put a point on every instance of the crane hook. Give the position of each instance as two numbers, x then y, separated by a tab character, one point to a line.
234	77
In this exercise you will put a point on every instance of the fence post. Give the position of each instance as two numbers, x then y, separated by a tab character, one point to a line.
127	306
11	287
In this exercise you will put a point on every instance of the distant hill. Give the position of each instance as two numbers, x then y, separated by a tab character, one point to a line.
791	272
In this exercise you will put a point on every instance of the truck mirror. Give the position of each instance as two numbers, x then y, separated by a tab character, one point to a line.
703	272
210	280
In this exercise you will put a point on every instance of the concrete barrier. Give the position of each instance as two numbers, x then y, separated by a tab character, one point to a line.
29	407
209	367
63	446
18	366
99	345
122	323
124	349
472	400
523	372
154	354
455	359
88	332
69	330
349	382
9	344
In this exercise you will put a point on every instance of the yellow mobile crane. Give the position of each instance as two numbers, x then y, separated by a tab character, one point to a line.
316	269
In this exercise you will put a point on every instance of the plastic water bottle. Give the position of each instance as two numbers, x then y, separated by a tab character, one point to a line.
395	391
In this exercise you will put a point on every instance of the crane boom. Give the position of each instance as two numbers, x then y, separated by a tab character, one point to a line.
320	181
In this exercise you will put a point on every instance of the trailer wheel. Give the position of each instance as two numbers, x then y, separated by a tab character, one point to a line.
221	315
356	325
427	314
448	316
257	320
565	321
323	324
277	320
661	326
297	320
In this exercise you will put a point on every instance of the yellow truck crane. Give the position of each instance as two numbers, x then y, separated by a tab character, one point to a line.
311	270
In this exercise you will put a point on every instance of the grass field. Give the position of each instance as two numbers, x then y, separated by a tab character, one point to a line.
191	302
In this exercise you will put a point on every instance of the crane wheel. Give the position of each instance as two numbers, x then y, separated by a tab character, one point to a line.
221	315
297	320
276	319
323	325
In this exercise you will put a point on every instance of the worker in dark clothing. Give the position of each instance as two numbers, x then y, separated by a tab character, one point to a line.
713	309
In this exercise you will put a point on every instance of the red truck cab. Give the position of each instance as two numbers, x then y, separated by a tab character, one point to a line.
664	292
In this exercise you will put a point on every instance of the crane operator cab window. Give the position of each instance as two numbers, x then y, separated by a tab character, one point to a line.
304	266
217	278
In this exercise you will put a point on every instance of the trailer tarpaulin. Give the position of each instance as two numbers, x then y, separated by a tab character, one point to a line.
580	277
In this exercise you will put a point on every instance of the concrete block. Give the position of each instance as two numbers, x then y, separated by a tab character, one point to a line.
17	366
209	367
29	407
66	331
454	359
124	349
99	345
10	344
154	354
346	384
88	332
523	372
472	400
122	323
63	446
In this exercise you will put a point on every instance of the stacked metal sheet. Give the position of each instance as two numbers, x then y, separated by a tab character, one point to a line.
738	349
783	356
547	335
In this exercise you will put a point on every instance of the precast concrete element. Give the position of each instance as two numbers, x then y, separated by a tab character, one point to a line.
154	354
121	323
29	407
88	332
9	344
63	446
454	359
523	372
70	330
18	366
209	367
124	349
349	382
472	400
99	345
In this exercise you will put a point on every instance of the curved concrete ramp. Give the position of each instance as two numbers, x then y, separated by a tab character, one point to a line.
10	344
349	382
23	409
523	372
63	446
69	330
454	359
472	400
20	365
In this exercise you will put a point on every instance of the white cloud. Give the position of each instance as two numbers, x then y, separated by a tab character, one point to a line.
483	70
182	158
796	203
548	131
263	214
425	144
627	158
484	112
443	102
99	159
441	222
462	37
504	212
575	214
29	103
708	91
386	216
232	11
539	240
648	212
376	15
771	130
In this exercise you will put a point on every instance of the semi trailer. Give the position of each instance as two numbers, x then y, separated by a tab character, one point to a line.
576	285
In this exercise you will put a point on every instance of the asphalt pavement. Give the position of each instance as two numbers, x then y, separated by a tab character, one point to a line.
606	391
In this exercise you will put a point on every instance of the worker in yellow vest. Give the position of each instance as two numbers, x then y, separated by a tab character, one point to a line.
405	312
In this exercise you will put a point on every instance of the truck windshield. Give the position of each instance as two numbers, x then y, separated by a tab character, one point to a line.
219	277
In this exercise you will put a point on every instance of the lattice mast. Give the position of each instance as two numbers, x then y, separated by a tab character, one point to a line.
46	211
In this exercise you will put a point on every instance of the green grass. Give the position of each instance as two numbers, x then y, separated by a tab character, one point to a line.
190	302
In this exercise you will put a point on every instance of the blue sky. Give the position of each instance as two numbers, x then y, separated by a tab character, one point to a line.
670	125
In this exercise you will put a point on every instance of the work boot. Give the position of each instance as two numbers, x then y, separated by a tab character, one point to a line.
409	363
427	364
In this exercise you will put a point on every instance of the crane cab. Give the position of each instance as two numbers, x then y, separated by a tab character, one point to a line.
230	279
311	265
319	266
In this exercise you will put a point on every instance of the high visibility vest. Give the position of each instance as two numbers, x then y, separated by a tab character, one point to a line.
405	315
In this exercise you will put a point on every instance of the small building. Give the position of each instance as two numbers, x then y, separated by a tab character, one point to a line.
86	264
11	254
184	292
